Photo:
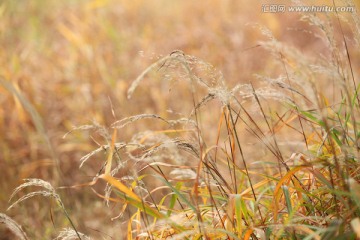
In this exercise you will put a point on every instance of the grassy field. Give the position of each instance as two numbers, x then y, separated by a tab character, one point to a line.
179	120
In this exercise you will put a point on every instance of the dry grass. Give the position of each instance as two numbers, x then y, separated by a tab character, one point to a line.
13	226
249	131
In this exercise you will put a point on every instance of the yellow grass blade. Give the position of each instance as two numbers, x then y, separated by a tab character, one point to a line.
258	185
283	180
248	234
138	222
129	230
131	220
114	182
238	214
131	197
298	189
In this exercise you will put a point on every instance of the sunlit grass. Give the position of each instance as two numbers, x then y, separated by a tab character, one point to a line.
249	131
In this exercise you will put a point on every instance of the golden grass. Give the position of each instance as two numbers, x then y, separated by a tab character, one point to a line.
258	132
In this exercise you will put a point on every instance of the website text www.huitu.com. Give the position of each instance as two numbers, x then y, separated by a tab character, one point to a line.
280	8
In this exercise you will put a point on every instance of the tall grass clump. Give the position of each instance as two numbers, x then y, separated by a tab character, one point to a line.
185	185
274	157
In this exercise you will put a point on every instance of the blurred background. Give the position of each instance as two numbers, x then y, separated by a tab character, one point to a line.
73	62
